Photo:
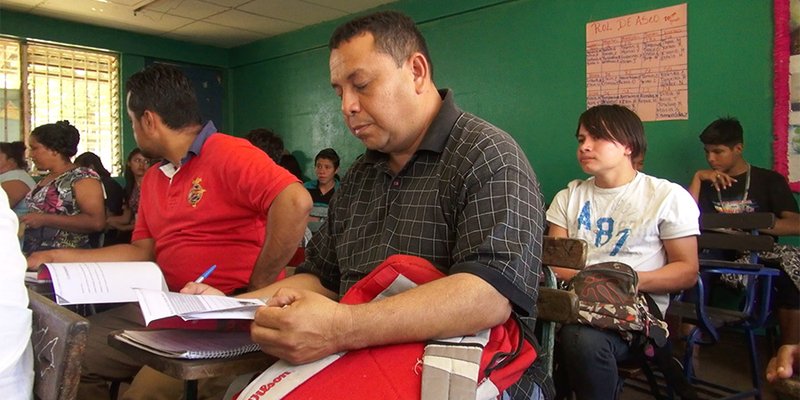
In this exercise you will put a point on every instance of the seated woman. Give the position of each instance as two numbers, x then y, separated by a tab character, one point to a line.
326	167
112	191
135	169
13	175
67	204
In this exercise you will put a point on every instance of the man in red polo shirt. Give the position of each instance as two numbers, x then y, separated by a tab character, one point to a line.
215	199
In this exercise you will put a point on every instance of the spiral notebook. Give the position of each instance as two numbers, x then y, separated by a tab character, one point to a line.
190	344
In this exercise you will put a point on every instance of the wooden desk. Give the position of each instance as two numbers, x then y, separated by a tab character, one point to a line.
46	289
191	370
43	288
790	388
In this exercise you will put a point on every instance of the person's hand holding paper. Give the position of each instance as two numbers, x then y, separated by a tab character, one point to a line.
201	288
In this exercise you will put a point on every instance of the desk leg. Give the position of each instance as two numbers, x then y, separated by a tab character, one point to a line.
190	390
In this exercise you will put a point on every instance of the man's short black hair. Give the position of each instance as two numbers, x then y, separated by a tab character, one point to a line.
165	90
395	34
727	131
328	154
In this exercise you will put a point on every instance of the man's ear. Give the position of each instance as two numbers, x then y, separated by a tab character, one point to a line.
738	148
421	70
150	120
150	124
628	151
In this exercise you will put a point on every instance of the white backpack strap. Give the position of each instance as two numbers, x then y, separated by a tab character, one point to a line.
450	367
281	378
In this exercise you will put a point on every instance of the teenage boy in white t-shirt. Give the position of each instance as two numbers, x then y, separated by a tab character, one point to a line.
625	216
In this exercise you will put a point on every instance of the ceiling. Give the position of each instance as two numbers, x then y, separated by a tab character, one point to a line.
221	23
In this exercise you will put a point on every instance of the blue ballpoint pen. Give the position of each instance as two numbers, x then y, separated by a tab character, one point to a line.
205	275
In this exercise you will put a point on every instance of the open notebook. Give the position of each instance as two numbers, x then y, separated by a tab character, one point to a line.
121	282
190	344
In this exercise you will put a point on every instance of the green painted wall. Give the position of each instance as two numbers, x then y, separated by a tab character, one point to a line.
521	65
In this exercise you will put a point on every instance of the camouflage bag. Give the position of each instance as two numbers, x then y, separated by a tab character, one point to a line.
608	299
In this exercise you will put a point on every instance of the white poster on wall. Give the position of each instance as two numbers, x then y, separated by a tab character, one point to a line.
640	61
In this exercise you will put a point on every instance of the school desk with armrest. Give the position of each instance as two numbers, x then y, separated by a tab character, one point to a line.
45	288
787	388
557	306
190	371
59	340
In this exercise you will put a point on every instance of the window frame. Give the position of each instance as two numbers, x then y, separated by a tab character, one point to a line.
99	118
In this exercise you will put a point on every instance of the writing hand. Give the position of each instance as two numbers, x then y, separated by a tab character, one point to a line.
720	180
201	288
301	326
782	365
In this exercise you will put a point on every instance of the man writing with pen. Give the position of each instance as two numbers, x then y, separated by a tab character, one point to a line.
205	275
214	200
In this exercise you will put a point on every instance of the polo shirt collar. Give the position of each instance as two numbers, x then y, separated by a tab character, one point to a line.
197	145
194	149
438	132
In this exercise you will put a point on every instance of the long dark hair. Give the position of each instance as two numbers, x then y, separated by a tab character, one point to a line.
130	180
16	152
91	160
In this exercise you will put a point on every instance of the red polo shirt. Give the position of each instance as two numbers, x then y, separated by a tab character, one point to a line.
211	211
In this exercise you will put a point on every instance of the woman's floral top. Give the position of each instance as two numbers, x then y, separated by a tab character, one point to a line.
133	202
57	197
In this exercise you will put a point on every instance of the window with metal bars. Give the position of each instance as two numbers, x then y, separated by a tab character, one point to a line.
62	83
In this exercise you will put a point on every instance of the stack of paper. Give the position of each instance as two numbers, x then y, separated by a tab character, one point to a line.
37	277
118	282
189	344
157	304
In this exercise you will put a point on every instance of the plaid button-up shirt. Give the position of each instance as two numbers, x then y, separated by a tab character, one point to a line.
467	201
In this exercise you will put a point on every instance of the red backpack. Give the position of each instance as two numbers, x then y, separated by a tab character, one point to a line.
479	366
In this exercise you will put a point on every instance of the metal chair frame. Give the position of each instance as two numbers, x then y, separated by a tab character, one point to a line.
709	321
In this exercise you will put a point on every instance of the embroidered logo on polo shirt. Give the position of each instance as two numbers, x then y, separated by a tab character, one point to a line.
196	192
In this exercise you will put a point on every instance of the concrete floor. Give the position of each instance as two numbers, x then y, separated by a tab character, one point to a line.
726	363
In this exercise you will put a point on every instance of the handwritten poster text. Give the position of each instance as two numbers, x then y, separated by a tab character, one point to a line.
640	61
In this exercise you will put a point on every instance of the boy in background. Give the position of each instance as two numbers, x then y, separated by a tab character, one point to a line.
732	185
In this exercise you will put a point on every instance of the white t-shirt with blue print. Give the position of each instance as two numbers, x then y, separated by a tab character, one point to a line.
627	223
